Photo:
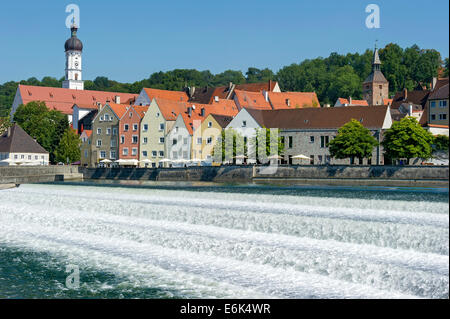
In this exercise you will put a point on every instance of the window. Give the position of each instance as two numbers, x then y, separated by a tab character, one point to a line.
135	127
290	139
145	140
145	128
125	127
161	140
209	124
185	141
443	116
209	140
22	156
29	157
106	117
442	104
199	141
86	153
311	161
125	151
154	153
144	153
15	157
134	151
122	139
161	126
174	141
161	153
114	130
433	103
113	143
108	131
37	157
433	117
311	139
157	114
113	155
320	159
99	142
101	118
324	141
135	139
102	154
99	131
185	154
244	123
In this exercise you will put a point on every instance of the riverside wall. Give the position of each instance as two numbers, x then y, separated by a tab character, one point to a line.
432	176
38	174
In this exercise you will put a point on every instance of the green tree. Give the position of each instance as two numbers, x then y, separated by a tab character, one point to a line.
352	141
255	75
344	83
407	139
46	126
68	150
440	143
230	144
265	138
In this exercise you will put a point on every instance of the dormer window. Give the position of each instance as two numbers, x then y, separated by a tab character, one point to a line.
244	123
288	102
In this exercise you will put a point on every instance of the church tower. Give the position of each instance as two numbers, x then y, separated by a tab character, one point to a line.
74	49
376	87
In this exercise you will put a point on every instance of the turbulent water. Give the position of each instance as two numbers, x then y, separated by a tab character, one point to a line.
223	242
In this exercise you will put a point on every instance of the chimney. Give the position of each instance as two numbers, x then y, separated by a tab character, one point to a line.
9	131
191	91
117	99
266	95
350	101
202	112
230	85
405	94
433	85
410	110
81	128
189	111
270	85
216	98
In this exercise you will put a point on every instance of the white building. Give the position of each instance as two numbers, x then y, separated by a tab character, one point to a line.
19	148
73	74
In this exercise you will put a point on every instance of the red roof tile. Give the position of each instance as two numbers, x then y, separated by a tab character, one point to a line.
253	100
291	100
63	99
355	102
176	96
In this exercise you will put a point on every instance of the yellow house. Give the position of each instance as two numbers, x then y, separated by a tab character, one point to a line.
206	135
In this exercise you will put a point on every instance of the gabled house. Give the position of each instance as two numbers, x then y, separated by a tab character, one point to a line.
207	134
438	105
129	132
105	133
155	125
19	148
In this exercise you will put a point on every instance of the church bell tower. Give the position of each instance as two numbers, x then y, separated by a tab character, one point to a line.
73	74
376	87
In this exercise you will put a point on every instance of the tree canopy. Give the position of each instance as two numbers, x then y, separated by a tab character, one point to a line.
68	150
45	126
407	139
352	141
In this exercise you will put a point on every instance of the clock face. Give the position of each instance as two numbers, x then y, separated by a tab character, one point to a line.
76	64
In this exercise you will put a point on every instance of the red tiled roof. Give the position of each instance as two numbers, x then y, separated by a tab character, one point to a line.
193	121
223	107
88	133
354	102
119	109
176	96
63	99
253	100
295	100
257	87
141	110
170	109
387	101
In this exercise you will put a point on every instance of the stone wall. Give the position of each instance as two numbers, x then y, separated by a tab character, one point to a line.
38	174
336	175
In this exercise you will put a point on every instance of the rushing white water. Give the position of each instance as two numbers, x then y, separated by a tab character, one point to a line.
239	245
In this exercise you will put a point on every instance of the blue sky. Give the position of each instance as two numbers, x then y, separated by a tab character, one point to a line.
129	40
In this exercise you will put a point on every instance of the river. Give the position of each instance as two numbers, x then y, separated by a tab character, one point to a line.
166	240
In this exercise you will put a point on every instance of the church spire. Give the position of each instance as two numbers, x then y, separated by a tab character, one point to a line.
376	63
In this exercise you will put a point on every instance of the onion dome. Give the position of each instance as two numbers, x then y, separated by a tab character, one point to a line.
73	44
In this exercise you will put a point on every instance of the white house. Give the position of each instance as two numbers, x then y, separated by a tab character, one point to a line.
19	148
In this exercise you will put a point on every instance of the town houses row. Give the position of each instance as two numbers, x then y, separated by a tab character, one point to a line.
160	128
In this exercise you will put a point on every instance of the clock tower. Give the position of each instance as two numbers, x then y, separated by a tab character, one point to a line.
73	74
